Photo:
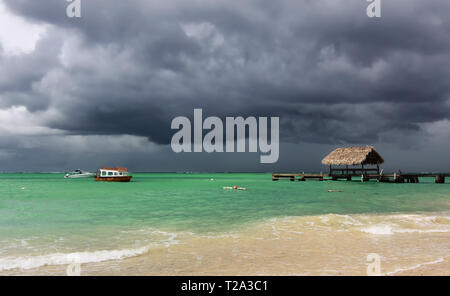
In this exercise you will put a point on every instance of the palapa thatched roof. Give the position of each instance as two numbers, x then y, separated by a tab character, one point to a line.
353	156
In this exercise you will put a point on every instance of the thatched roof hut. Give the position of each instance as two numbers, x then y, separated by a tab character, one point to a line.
353	156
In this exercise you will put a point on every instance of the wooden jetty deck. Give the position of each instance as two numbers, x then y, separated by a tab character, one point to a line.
348	175
363	162
298	177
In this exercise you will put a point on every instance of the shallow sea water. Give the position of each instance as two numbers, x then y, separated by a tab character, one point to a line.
187	224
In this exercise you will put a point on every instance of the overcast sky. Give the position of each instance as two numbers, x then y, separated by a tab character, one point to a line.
102	89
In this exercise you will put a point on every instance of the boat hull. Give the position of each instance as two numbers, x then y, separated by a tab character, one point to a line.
79	176
114	179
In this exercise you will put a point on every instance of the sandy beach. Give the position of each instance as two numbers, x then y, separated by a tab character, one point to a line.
316	245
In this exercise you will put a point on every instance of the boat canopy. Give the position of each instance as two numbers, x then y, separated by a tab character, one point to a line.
113	172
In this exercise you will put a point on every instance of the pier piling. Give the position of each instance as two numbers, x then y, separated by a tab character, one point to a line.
440	179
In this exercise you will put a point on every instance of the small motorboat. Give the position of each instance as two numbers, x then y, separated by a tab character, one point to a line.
79	174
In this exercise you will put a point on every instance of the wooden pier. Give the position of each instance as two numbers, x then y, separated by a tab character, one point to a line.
298	177
398	177
364	162
439	178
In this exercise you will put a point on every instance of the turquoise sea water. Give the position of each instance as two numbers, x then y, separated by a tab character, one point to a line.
42	214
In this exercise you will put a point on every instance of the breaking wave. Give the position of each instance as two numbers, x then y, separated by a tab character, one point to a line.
29	262
369	224
81	257
440	260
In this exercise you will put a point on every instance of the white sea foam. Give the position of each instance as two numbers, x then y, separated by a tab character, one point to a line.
378	229
325	220
440	260
29	262
61	258
423	220
388	229
402	224
422	231
371	224
348	220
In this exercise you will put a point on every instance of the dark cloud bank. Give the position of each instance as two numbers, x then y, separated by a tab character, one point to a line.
332	75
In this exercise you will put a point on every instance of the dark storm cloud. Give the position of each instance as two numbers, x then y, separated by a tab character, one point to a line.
332	74
19	74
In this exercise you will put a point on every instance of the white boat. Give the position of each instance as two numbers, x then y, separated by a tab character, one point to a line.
79	174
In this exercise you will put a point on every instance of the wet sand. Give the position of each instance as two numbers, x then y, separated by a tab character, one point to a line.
314	245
